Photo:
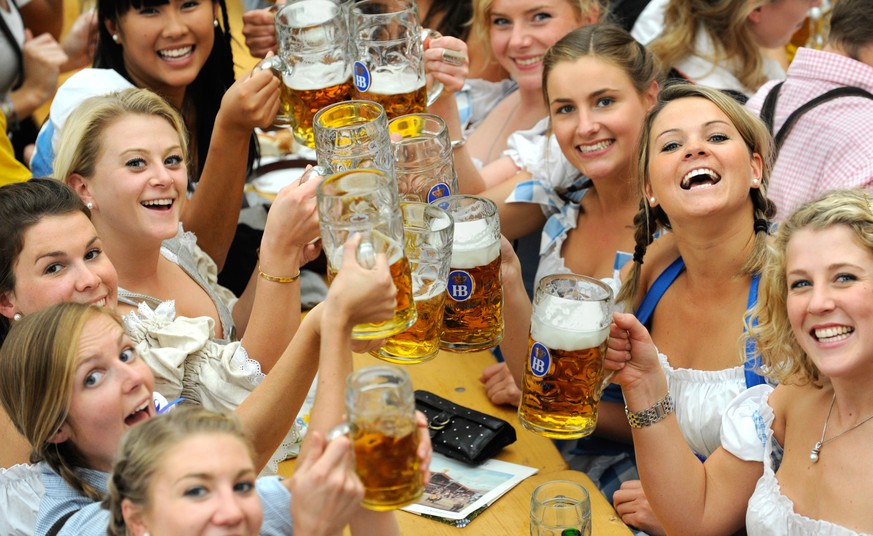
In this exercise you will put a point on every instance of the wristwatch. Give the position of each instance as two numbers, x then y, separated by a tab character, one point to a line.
650	415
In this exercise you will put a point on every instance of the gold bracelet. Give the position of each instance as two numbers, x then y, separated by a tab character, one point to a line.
278	279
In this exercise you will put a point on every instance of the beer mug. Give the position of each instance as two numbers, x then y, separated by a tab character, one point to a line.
423	162
313	39
473	319
569	331
428	231
380	405
388	43
560	508
352	135
365	202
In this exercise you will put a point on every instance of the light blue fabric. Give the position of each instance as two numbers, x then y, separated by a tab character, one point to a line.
92	519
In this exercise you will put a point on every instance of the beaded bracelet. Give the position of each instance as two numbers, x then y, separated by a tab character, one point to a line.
278	279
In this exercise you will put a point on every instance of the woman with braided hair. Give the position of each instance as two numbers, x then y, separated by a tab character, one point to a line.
704	163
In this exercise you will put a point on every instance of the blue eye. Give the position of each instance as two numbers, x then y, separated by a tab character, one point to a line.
244	487
542	17
127	355
195	491
718	138
800	283
669	147
173	161
564	109
135	163
94	378
604	102
845	278
500	21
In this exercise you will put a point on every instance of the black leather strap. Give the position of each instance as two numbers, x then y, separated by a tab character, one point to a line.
59	524
768	109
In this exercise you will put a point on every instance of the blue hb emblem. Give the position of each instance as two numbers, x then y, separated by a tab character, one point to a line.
460	285
362	77
540	360
438	190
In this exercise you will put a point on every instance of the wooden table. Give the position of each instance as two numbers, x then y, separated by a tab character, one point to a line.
456	377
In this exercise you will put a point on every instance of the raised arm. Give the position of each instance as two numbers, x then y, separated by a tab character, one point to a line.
268	313
688	497
212	213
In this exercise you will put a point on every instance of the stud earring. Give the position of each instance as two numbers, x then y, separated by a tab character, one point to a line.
652	200
17	317
90	205
215	22
115	38
756	182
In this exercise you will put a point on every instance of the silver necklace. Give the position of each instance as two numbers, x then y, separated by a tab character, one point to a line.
813	454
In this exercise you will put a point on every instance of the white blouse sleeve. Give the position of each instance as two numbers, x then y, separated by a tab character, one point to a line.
21	490
746	424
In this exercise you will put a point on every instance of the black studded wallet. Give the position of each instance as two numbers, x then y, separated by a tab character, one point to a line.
463	433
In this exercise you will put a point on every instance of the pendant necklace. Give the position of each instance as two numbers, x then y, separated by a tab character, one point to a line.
813	454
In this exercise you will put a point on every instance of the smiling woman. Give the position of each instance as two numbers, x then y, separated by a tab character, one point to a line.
181	50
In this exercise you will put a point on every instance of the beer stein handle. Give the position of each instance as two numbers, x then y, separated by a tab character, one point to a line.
436	88
281	70
607	379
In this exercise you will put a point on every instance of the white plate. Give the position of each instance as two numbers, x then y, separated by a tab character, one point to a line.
271	182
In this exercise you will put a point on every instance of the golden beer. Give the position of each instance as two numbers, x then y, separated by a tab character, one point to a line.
473	318
399	93
305	93
388	465
563	403
569	331
421	342
404	314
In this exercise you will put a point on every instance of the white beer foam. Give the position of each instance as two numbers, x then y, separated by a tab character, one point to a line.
309	76
473	245
564	324
395	83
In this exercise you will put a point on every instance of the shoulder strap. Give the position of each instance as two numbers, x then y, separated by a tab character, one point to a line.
59	524
768	109
847	91
753	358
657	290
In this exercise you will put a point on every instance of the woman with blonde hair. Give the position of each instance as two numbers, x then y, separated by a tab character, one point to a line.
718	43
73	384
793	459
704	164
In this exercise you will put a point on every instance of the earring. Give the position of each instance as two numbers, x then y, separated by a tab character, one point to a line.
756	181
90	205
652	200
215	22
115	38
17	317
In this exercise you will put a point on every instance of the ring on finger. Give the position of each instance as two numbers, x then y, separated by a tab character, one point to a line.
453	57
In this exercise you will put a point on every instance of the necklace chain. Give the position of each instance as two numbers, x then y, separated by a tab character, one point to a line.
814	453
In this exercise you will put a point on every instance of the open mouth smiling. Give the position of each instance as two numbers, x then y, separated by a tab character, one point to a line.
139	414
700	178
176	53
832	333
158	204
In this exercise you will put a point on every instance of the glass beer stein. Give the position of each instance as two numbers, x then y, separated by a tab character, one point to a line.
423	163
569	331
473	319
365	202
313	39
381	415
388	43
428	231
353	135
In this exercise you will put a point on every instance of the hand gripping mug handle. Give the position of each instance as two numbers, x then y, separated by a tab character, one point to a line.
436	88
280	69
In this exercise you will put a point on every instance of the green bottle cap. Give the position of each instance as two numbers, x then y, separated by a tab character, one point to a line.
571	532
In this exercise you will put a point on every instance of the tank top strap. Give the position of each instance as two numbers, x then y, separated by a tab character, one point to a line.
657	290
753	359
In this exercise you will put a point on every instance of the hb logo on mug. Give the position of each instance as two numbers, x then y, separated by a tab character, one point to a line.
361	77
